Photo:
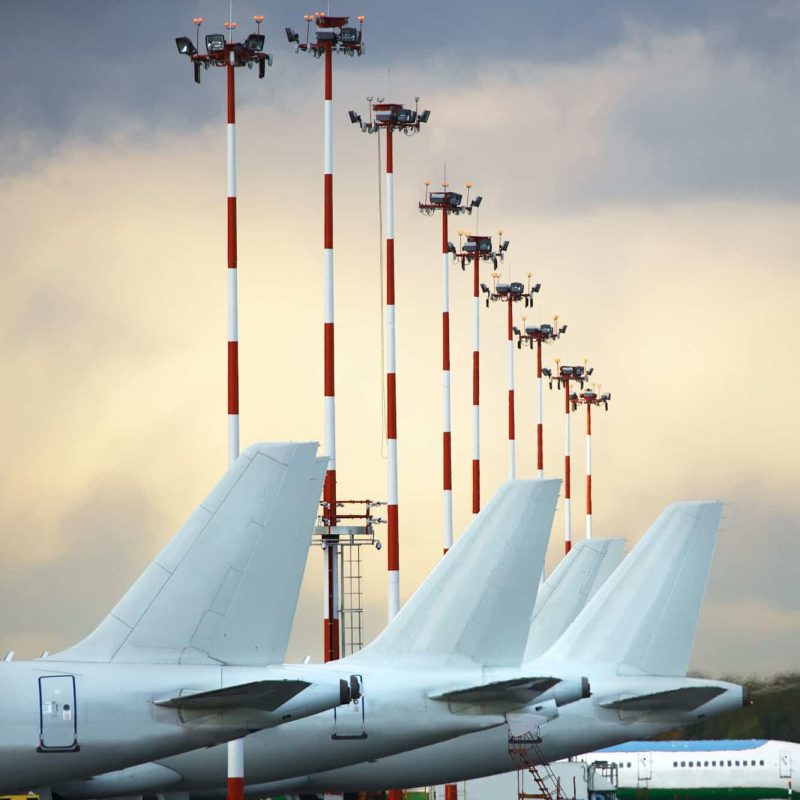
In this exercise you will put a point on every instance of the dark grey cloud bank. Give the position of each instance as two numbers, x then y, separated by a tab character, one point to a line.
109	66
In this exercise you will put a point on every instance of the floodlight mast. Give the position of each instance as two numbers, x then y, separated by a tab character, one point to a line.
510	293
230	54
332	35
391	117
539	335
448	203
589	398
563	376
475	249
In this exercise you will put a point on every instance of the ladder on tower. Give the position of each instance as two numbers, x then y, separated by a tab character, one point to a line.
349	537
528	755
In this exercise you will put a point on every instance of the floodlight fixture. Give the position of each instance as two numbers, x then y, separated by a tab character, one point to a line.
215	43
292	36
477	201
332	34
185	46
354	118
255	42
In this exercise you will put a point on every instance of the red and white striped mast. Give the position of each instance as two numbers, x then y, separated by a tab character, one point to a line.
332	35
391	117
230	54
563	376
589	398
475	249
510	293
538	335
448	203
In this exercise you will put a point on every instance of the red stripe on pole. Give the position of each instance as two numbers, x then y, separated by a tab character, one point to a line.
567	492
391	410
567	547
328	326
539	447
331	639
476	485
393	554
448	466
328	71
235	789
232	255
328	202
450	791
588	494
510	413
588	419
231	95
233	377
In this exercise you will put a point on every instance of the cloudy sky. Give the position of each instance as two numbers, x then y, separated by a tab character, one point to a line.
641	157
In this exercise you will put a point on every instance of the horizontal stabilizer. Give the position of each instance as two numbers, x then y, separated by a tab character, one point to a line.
476	604
686	699
522	690
261	695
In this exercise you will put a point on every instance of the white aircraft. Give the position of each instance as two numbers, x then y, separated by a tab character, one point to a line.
745	769
168	669
460	610
632	639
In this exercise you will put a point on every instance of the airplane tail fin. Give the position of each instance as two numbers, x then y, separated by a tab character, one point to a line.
477	601
569	588
225	588
644	617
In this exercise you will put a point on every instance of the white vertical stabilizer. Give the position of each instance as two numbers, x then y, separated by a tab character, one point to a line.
477	601
643	619
224	589
569	588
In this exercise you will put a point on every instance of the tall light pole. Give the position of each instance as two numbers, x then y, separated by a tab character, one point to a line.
537	335
474	249
510	293
564	375
448	203
230	55
589	398
332	35
391	118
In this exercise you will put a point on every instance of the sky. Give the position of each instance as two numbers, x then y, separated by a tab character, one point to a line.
641	158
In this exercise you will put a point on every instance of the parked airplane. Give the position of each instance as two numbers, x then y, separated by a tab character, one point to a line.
744	769
471	612
633	640
169	669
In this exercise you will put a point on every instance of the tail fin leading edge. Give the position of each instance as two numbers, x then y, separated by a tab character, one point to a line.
225	587
477	601
644	617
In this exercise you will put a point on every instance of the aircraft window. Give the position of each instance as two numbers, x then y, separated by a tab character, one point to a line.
761	763
713	763
674	763
752	763
705	763
683	763
691	763
730	764
737	763
629	765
